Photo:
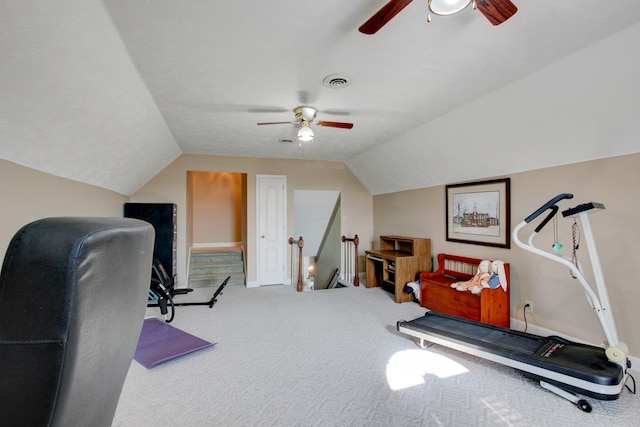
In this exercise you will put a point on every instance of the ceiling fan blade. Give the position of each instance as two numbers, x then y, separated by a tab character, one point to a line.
267	110
340	125
383	16
276	123
496	11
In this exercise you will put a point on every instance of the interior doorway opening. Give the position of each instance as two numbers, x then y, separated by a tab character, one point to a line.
216	220
317	219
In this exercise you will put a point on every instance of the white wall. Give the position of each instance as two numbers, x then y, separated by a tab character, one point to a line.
312	211
73	103
591	97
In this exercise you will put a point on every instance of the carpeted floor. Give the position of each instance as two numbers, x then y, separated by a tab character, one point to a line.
334	358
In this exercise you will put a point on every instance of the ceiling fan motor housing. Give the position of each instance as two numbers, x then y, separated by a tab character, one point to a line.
305	113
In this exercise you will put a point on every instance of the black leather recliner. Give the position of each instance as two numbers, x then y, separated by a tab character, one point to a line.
73	294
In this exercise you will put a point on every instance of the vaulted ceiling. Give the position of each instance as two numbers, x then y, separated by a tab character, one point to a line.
110	92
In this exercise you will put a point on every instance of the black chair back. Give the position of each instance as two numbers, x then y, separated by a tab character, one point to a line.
73	295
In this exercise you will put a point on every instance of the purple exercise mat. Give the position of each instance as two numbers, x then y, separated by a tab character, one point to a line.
160	342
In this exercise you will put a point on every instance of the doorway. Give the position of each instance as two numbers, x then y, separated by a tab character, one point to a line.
217	208
216	227
316	217
271	212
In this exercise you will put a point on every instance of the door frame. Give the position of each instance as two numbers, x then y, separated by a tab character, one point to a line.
259	177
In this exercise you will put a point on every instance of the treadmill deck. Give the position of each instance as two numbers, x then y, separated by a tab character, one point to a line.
574	366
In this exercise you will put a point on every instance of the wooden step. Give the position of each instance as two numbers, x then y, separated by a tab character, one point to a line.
203	258
215	279
208	267
217	267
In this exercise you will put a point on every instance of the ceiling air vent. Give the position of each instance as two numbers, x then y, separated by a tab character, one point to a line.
337	81
285	141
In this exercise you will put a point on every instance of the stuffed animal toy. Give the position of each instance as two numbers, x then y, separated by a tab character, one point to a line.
498	278
479	280
413	288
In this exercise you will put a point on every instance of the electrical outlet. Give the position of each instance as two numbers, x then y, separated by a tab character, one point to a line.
528	306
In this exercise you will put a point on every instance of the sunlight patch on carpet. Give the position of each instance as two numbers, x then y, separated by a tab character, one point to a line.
408	368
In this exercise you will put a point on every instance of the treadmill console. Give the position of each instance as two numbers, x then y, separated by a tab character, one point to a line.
582	208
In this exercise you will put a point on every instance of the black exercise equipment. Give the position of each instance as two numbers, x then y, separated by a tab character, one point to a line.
566	368
162	290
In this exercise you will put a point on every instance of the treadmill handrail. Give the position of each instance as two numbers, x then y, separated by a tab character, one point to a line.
548	205
604	313
554	211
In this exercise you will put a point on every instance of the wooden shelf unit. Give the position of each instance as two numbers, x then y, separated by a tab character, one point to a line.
399	261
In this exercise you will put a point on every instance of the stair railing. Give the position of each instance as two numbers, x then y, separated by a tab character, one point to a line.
296	262
351	259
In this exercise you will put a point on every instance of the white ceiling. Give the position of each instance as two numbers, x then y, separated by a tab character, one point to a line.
130	84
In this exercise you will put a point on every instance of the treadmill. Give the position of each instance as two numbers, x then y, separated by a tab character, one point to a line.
569	369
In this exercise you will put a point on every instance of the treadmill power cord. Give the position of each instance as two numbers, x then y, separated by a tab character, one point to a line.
524	314
633	380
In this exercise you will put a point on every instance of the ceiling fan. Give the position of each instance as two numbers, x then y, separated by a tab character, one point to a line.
305	116
496	11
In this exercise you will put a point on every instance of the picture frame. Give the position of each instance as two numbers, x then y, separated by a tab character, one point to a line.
479	213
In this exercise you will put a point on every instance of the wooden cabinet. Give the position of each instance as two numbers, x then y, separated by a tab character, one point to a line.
399	261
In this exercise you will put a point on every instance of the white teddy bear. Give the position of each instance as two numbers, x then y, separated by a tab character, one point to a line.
479	280
498	278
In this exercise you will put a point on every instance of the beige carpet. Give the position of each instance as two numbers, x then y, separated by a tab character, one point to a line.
334	358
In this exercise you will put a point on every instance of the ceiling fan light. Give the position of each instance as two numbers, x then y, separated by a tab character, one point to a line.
447	7
305	134
308	113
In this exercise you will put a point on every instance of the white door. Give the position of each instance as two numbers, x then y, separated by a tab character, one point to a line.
271	212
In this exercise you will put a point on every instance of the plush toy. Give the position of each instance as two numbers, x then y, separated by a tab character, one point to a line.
498	278
479	280
413	288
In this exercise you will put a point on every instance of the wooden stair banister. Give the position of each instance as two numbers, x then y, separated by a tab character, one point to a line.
300	243
355	241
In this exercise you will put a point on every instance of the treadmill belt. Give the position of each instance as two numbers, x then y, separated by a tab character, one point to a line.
513	342
498	337
581	361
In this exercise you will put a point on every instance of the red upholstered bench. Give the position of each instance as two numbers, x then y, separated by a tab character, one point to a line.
490	306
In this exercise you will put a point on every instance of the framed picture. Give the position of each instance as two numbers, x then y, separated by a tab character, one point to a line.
479	213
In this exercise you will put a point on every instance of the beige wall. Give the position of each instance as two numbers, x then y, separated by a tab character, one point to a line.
27	194
217	209
170	186
559	302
